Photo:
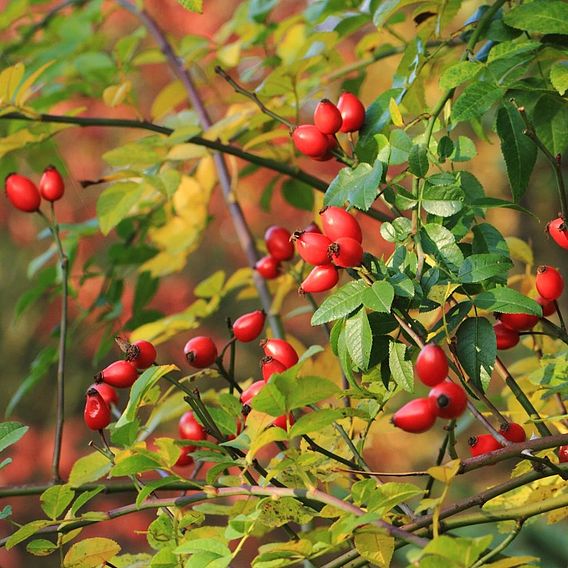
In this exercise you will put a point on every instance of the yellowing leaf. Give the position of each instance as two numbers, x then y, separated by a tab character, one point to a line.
115	94
206	173
25	90
266	137
238	116
375	546
9	81
167	99
91	553
291	45
395	114
267	437
520	250
445	473
230	54
184	152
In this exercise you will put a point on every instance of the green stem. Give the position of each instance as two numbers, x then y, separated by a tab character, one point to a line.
500	547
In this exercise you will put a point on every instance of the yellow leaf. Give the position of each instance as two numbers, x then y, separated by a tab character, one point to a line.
291	45
266	137
182	152
238	116
445	473
206	174
396	116
264	438
520	250
9	81
91	553
514	562
375	546
167	99
230	54
115	94
25	90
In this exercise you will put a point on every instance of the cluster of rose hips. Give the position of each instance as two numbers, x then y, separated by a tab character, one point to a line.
318	140
24	195
338	246
446	400
558	230
549	285
121	374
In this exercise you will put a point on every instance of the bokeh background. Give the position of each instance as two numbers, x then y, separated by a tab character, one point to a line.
78	151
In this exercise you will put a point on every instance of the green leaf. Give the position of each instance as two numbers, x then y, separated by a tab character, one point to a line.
375	546
479	267
115	202
41	547
259	9
475	100
445	148
379	297
56	499
518	150
341	303
192	5
464	150
10	433
462	551
442	200
84	497
507	301
486	238
284	393
438	242
559	76
487	202
298	194
278	512
401	367
204	545
418	160
141	386
477	349
89	468
359	187
24	532
359	338
317	420
91	553
38	370
459	73
134	154
540	16
550	118
132	465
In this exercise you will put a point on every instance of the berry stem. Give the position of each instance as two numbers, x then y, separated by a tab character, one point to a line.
63	319
560	318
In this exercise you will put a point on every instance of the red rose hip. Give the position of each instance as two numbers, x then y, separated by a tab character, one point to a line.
548	307
483	444
327	117
432	365
518	322
280	350
506	337
310	141
450	400
109	394
563	454
312	247
190	429
120	374
320	279
337	223
51	185
352	112
22	193
549	282
200	352
142	354
346	252
558	230
249	393
513	432
249	326
278	243
270	366
415	416
97	412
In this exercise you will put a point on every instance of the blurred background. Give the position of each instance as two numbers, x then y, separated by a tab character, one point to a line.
78	151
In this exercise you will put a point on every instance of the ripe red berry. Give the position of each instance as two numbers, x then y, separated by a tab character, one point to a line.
142	354
506	337
320	279
200	352
432	365
278	243
328	154
184	458
563	454
22	193
109	394
51	186
548	307
558	230
480	445
312	247
281	422
97	411
249	326
190	429
549	282
337	223
310	141
120	374
415	416
268	267
346	252
270	366
280	350
450	400
352	112
249	393
518	322
327	117
513	432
